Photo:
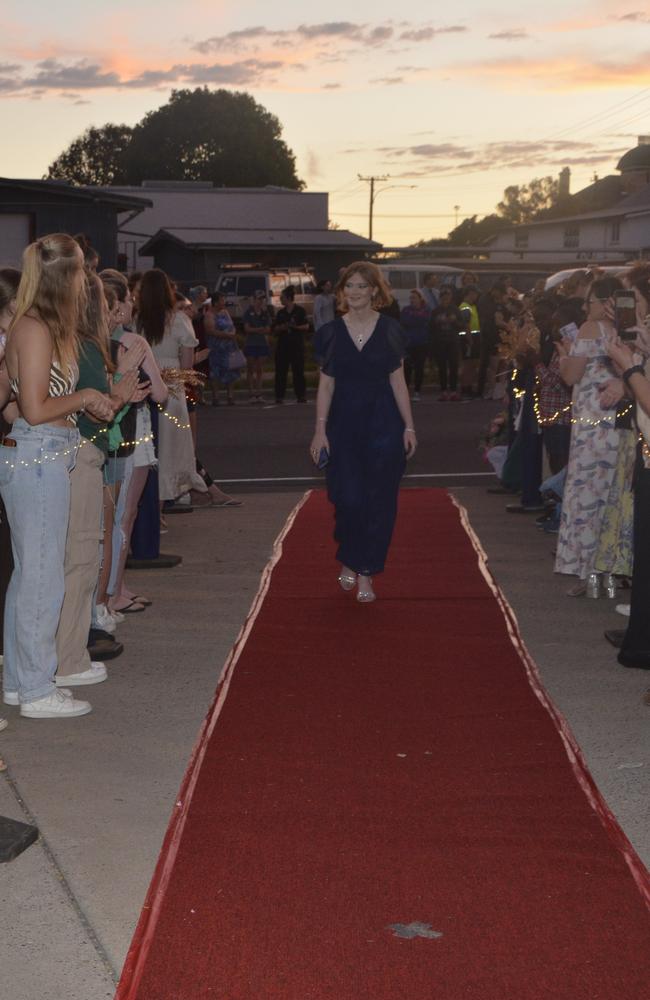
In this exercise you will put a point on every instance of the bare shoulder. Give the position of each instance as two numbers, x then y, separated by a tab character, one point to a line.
29	327
589	330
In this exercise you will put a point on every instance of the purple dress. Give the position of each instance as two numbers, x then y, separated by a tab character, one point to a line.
366	435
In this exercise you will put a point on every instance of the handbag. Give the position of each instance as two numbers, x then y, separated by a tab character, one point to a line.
236	360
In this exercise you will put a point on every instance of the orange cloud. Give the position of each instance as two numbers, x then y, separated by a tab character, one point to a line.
564	74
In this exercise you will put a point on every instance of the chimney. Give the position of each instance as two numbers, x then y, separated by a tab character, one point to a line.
565	183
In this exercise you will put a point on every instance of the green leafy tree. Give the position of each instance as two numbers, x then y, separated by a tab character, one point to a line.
96	157
211	135
474	231
523	203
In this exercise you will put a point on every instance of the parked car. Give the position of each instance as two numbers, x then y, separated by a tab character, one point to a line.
238	285
610	270
404	277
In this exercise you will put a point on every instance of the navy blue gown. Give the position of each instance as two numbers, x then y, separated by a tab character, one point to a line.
366	436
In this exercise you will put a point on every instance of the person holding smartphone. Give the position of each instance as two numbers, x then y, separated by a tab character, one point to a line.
593	454
364	425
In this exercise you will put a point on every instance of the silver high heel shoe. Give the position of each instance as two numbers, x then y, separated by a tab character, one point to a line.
366	594
347	580
593	585
609	585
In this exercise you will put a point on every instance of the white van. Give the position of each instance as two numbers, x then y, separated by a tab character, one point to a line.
402	278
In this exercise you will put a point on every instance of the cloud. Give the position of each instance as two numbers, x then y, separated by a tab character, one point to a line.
637	17
428	159
515	35
355	33
332	86
389	81
559	74
428	33
53	74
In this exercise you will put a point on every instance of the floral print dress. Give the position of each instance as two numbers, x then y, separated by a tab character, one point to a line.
592	463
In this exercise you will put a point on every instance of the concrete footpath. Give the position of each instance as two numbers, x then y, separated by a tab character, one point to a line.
101	788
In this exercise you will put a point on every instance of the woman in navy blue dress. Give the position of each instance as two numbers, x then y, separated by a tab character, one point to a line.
364	423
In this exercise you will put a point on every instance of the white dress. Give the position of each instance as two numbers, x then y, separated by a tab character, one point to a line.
176	460
592	463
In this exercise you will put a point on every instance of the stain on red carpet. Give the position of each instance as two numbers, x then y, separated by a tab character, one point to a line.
384	808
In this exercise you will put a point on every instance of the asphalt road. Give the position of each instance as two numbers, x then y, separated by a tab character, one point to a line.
265	447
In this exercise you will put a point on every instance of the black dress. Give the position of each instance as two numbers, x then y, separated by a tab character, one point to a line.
366	436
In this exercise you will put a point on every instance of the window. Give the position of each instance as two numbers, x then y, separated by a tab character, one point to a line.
308	287
571	237
402	279
615	234
249	283
521	239
227	284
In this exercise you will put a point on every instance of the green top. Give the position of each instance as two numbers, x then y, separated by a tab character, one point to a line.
92	375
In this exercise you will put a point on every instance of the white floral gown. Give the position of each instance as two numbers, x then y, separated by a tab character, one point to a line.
592	463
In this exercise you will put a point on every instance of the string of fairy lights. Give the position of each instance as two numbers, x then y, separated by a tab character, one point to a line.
54	456
560	414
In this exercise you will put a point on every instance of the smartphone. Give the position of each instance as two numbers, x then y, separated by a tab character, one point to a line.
569	330
625	314
323	458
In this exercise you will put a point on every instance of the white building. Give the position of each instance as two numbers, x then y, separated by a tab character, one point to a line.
617	230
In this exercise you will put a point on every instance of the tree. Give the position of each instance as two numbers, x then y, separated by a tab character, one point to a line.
199	135
96	157
471	232
219	136
523	203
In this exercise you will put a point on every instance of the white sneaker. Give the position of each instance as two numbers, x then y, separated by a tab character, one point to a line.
11	697
3	724
95	674
54	706
102	618
623	609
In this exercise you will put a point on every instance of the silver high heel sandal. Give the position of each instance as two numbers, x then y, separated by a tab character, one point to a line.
348	581
366	594
609	585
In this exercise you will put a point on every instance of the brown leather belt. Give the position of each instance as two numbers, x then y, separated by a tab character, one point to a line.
8	443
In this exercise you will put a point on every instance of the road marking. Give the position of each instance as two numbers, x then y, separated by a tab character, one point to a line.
319	479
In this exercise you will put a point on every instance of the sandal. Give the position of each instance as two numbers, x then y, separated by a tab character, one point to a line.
132	608
144	601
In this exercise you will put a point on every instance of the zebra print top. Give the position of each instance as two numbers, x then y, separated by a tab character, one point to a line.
59	385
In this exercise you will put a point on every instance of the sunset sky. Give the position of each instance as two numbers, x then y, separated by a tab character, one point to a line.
460	104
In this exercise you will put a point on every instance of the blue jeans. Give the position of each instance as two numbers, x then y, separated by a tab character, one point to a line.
35	488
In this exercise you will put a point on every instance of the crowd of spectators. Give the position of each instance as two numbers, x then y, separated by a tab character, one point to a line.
98	444
574	442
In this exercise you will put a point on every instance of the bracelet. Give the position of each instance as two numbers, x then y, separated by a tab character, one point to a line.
411	429
117	376
322	420
634	370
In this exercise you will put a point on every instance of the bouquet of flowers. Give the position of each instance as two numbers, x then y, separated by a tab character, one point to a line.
521	338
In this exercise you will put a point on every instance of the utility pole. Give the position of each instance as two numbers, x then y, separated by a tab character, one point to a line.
371	181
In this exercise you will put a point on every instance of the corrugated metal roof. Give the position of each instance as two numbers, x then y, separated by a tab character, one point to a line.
208	238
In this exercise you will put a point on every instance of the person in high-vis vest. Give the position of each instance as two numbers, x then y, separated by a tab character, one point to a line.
470	341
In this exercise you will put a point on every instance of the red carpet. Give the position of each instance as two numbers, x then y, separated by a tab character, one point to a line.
389	764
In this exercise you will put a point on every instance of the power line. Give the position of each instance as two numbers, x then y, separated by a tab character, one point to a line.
371	181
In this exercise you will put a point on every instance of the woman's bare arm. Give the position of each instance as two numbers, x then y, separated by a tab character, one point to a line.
30	353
